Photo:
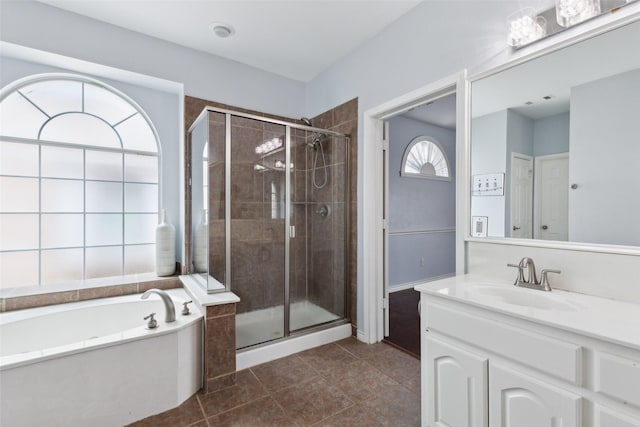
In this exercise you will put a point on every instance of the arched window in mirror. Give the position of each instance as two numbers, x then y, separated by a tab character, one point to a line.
80	182
425	158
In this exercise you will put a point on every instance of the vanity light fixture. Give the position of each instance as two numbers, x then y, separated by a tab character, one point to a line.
269	146
571	12
525	26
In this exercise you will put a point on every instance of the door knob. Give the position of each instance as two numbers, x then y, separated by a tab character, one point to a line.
515	228
544	227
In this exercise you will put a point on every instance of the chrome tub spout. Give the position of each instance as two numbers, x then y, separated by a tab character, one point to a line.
169	306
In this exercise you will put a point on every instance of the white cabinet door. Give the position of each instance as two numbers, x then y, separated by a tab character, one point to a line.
605	417
456	386
517	400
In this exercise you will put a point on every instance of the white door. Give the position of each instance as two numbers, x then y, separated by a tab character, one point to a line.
552	197
456	386
516	400
605	417
521	195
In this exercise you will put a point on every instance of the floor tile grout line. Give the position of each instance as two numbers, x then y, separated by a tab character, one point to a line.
204	413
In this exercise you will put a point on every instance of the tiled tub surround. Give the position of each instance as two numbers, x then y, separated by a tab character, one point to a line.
22	298
95	363
260	236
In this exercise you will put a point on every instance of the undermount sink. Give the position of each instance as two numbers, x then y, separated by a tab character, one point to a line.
523	297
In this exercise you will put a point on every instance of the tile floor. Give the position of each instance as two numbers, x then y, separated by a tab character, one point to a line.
347	383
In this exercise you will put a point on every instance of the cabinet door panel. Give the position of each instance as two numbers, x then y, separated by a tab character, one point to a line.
517	400
605	417
456	386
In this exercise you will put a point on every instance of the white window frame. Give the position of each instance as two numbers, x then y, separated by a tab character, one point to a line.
14	87
410	147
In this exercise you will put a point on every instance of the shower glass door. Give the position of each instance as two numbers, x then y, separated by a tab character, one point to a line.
258	213
317	257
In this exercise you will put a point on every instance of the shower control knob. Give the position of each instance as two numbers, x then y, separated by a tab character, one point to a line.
544	227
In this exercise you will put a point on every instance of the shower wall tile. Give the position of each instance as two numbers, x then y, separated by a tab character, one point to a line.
250	290
247	210
220	310
244	143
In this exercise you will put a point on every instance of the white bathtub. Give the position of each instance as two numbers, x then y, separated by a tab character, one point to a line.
94	362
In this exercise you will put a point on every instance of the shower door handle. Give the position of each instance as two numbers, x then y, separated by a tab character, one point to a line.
292	231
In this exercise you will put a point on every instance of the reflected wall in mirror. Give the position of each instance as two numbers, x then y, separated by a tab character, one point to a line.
564	129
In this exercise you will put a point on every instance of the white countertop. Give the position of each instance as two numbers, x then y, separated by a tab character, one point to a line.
197	292
605	319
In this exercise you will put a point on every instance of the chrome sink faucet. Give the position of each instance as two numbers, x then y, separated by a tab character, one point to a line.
532	281
169	306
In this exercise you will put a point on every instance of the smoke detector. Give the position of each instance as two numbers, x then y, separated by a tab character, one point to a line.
222	30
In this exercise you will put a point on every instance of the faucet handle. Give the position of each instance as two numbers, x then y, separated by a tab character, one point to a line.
520	278
152	323
185	309
544	281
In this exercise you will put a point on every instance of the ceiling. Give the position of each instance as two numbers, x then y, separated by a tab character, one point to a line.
297	39
441	112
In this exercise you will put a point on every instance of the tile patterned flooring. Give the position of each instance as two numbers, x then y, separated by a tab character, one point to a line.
347	383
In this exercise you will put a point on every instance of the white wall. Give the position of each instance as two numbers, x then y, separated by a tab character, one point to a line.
420	207
39	26
604	161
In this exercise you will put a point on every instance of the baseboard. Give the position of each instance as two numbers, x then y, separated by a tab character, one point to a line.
409	285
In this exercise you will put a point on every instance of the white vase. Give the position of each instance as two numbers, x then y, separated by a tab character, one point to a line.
200	256
165	247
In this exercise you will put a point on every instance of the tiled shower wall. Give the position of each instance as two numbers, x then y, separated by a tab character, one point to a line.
258	232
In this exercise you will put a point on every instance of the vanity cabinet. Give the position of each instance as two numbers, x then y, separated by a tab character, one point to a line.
486	368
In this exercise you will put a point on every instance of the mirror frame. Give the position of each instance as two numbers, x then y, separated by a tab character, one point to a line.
593	28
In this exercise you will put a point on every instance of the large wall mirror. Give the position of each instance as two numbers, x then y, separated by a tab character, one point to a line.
555	145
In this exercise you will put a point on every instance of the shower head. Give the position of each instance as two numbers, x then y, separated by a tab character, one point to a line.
306	121
316	140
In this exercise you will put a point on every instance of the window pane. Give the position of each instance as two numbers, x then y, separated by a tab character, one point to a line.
137	135
139	259
106	104
78	128
103	165
140	168
18	194
62	231
60	162
140	228
104	196
104	229
61	265
20	118
55	96
104	262
61	195
18	159
18	269
18	232
141	198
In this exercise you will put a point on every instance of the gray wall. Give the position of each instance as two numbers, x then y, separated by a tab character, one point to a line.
489	136
551	135
605	155
419	205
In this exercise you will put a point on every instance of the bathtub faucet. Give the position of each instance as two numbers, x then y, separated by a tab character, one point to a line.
169	307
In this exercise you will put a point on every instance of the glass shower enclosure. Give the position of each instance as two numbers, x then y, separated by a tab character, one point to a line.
269	218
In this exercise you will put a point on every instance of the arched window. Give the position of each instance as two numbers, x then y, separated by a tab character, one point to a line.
425	158
79	181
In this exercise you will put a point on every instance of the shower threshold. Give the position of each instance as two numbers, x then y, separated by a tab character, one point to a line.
267	324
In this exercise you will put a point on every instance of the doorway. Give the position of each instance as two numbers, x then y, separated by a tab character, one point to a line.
551	199
420	190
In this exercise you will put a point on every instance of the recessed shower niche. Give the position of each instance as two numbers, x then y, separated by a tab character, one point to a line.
270	221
